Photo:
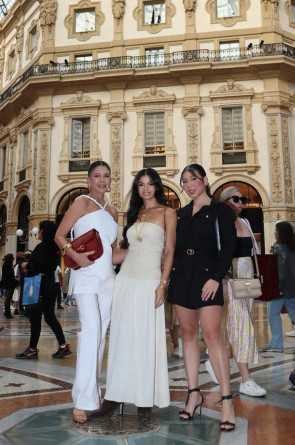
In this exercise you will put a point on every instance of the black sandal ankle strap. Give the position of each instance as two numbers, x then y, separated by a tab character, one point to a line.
224	398
193	390
227	397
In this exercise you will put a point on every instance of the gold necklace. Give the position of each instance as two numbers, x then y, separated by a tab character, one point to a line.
142	215
139	231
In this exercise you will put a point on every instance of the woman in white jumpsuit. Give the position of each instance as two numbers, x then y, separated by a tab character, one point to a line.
92	284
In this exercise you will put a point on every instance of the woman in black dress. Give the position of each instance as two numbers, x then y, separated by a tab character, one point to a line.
200	263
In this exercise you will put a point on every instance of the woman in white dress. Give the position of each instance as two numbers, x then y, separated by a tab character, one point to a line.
137	369
92	285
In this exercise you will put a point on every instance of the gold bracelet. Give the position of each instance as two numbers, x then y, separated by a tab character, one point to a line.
65	248
165	282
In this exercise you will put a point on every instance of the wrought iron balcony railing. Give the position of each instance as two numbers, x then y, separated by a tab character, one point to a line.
157	60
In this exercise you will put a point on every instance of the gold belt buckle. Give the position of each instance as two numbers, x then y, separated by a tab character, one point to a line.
190	252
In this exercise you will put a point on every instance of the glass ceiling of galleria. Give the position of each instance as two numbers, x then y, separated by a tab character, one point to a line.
5	5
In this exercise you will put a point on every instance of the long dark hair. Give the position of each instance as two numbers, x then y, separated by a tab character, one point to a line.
48	234
192	168
98	164
8	260
136	201
286	234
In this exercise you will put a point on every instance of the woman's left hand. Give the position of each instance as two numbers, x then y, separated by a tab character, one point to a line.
160	295
209	290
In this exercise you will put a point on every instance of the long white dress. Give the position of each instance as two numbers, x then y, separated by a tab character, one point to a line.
137	369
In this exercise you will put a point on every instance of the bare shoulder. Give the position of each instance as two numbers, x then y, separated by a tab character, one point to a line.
113	211
171	213
79	206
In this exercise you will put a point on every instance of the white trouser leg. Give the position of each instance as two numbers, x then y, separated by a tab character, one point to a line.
94	313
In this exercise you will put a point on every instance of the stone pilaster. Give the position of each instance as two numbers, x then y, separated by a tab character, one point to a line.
48	9
190	14
193	113
118	9
277	111
116	119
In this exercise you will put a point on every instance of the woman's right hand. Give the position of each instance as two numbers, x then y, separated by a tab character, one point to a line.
82	258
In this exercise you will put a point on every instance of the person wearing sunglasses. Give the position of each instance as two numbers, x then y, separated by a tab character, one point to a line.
240	326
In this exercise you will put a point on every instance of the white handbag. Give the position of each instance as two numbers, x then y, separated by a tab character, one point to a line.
245	287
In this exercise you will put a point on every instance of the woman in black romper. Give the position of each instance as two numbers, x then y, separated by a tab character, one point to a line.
195	286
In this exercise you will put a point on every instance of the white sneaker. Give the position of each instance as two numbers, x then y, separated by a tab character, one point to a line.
210	370
250	388
290	333
177	352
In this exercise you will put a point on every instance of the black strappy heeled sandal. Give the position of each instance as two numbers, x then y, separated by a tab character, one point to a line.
226	423
186	413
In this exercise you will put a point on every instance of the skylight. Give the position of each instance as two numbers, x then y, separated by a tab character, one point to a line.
5	5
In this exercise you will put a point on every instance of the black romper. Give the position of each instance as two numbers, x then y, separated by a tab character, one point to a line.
196	257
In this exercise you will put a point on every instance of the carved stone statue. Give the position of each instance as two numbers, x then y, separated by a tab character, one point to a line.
1	59
118	7
19	37
189	5
47	12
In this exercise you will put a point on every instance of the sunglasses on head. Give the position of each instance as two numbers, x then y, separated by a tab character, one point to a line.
236	199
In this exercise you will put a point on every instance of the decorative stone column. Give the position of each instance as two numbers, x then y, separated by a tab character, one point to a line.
190	14
270	12
47	19
41	166
281	183
11	172
116	119
193	113
118	9
11	226
19	44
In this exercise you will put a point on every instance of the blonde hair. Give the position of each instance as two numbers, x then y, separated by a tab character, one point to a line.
228	193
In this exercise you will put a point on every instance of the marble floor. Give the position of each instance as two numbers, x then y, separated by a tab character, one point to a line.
36	405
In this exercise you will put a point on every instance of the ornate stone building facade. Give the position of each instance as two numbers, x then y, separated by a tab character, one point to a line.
145	83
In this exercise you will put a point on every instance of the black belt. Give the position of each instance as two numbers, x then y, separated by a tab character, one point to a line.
192	252
189	252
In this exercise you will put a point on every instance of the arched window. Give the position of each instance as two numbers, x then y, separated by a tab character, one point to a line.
172	197
67	200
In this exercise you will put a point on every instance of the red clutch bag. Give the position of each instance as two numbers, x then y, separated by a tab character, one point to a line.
87	242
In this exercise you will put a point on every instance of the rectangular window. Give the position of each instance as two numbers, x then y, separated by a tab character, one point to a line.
33	38
85	20
229	50
232	128
3	163
25	146
83	58
154	12
293	11
80	146
154	57
154	131
227	8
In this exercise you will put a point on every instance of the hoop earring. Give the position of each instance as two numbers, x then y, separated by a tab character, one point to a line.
109	189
